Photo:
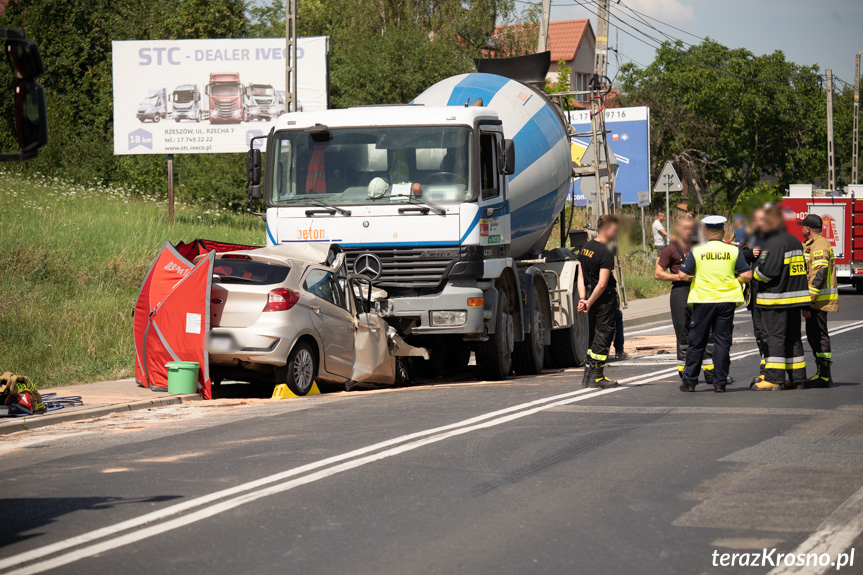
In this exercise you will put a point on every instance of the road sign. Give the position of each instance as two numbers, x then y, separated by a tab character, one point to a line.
668	180
644	199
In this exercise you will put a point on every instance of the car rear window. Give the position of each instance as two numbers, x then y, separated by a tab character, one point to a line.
248	272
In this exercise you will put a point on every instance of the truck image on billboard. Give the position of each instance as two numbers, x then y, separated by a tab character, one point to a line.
209	96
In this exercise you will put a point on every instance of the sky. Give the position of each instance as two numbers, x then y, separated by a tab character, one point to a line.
828	33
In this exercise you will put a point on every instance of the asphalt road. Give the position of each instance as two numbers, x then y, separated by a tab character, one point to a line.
533	475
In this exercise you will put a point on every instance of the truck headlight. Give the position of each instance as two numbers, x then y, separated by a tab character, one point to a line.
448	318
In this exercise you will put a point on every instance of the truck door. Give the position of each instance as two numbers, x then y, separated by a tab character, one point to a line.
494	212
331	316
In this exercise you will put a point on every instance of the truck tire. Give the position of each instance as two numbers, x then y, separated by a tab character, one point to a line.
494	356
528	357
569	346
157	118
300	370
858	286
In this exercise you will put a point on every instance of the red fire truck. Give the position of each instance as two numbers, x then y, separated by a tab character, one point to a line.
842	214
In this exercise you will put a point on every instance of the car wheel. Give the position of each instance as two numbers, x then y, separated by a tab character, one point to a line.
300	370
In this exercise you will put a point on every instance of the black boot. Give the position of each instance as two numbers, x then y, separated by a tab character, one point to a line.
708	376
588	372
822	377
598	378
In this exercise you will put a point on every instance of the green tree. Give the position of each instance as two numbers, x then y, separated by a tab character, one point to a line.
75	38
730	120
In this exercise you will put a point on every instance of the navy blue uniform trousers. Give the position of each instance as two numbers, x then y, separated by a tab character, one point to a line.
707	317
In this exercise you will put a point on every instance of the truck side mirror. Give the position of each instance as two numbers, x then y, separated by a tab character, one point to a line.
506	162
253	173
207	90
197	97
31	118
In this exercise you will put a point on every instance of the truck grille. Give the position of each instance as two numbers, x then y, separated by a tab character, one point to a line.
407	267
226	109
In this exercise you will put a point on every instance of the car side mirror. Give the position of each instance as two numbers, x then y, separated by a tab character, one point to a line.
506	162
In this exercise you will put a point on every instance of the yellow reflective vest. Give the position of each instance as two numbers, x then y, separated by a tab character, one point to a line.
714	280
818	254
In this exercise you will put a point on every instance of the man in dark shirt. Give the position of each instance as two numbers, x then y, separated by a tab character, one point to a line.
667	269
597	292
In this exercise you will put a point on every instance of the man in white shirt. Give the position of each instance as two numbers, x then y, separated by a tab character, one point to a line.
660	236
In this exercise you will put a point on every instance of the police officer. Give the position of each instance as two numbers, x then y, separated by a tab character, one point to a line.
668	269
716	270
821	276
782	292
597	292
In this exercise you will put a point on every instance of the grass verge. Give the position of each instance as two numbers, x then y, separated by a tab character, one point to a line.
71	264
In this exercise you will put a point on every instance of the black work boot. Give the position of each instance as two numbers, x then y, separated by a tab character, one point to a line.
598	378
822	377
708	376
588	372
719	387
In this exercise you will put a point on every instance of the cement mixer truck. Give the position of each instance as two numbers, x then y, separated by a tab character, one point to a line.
446	205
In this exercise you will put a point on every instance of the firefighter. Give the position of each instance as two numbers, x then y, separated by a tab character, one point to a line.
668	269
821	276
756	243
716	270
782	292
597	292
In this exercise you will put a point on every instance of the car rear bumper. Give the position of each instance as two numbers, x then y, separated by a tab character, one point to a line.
233	346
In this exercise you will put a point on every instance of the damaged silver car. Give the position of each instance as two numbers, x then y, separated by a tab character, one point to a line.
292	314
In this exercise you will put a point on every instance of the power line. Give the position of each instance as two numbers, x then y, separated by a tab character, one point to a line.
660	21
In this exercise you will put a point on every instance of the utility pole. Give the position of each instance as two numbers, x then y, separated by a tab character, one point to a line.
855	149
291	55
605	192
542	45
831	169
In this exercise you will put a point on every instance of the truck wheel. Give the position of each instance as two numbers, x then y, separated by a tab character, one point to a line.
858	286
569	346
157	118
300	370
529	355
495	355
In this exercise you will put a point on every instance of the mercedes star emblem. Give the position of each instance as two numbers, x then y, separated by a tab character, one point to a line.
368	265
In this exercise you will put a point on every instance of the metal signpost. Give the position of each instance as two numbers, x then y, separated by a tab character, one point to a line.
643	202
668	182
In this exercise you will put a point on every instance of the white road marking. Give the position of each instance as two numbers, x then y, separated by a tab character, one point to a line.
836	534
254	490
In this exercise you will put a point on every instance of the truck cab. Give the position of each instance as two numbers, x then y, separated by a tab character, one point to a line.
186	103
226	98
262	102
154	106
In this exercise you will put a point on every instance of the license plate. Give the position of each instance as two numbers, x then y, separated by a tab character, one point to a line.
220	344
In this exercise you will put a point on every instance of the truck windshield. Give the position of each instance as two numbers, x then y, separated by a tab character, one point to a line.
372	165
262	91
183	97
224	89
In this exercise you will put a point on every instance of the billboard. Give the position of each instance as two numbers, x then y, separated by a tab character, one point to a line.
629	140
208	96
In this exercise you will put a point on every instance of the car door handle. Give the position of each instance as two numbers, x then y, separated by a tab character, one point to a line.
316	309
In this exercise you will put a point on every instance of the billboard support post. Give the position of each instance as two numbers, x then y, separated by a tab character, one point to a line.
171	188
291	60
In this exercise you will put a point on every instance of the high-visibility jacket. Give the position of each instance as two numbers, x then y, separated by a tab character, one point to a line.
714	280
821	273
781	271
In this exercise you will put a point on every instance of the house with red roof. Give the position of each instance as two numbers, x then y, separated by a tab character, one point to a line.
569	41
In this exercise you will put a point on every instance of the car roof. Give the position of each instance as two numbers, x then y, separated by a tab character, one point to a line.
305	252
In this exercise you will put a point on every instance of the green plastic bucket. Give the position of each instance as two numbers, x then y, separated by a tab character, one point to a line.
183	376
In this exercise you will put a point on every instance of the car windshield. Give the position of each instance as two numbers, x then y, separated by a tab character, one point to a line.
225	89
262	91
150	100
372	166
184	97
232	270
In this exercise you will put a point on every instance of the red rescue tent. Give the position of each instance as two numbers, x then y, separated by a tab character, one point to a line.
172	314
